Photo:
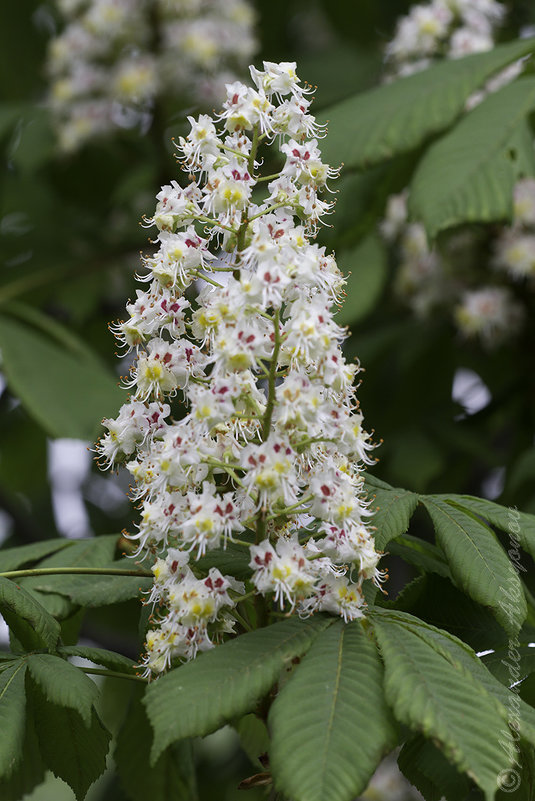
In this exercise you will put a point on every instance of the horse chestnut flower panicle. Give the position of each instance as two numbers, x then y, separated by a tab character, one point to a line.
270	451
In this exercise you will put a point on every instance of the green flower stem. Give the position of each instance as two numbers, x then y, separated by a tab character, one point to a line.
264	369
77	571
224	465
243	543
233	150
266	426
113	674
264	314
234	476
254	148
268	414
289	509
242	231
241	620
268	177
285	204
198	274
246	596
312	440
210	221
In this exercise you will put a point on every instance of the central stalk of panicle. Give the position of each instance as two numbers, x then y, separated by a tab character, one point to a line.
237	321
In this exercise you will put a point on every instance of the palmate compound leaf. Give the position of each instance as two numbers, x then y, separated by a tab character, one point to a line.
469	174
225	683
478	563
393	510
330	725
12	715
397	117
433	693
30	622
172	777
63	684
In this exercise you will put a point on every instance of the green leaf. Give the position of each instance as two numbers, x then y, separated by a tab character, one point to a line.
254	738
397	117
66	391
393	511
426	557
173	774
434	695
443	605
94	591
72	751
430	772
469	174
519	525
463	658
226	682
233	559
91	552
330	725
13	558
108	659
33	626
36	142
12	716
512	663
29	772
366	269
478	563
8	657
521	776
63	684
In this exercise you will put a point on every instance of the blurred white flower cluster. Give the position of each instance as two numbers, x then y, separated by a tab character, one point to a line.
113	57
442	28
490	313
515	247
449	278
265	455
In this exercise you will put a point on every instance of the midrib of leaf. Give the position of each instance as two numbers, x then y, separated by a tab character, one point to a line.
334	704
15	672
466	532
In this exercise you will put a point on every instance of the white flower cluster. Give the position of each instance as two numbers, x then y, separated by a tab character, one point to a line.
237	315
421	280
114	57
429	278
490	313
442	28
515	247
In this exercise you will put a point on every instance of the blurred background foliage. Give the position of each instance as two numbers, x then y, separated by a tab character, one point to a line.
451	416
